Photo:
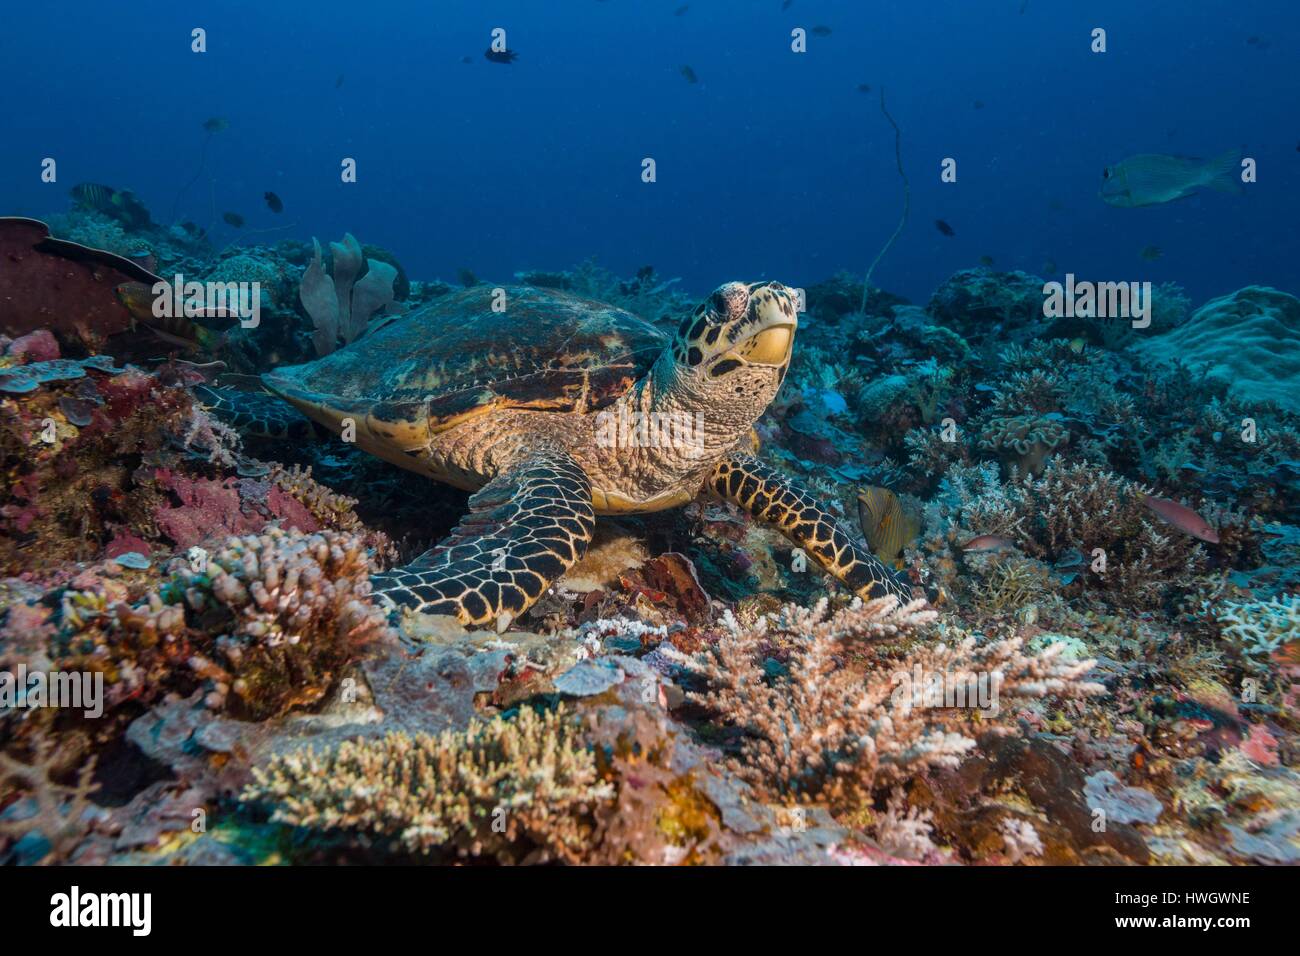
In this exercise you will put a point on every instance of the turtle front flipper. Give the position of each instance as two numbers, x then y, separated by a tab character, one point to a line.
772	497
525	528
256	414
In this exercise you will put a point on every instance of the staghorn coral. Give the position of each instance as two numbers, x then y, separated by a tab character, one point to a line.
1256	629
1009	584
930	454
1034	390
506	789
845	717
59	813
1074	509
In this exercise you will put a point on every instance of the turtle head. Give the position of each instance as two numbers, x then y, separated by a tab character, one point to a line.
737	343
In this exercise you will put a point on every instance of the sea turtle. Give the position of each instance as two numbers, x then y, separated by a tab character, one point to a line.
553	409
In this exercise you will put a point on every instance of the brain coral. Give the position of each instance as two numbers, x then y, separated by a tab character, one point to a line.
1251	338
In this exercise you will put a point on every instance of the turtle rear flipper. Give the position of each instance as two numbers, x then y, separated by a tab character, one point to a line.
771	497
258	414
525	528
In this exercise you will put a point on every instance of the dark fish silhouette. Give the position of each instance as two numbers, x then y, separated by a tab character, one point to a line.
216	124
682	9
119	204
233	219
786	4
821	31
94	196
864	87
689	74
500	56
979	104
273	201
944	228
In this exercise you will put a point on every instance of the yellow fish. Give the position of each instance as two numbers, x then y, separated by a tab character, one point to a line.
1153	178
887	526
175	330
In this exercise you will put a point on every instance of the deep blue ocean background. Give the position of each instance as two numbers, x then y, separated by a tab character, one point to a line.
773	165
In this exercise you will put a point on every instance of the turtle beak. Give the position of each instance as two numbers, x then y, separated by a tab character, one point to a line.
771	346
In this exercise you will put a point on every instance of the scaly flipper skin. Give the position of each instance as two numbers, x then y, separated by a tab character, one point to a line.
259	414
770	496
525	528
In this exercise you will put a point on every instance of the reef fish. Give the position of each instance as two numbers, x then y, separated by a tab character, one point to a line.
233	219
1154	178
120	204
944	228
689	75
821	31
988	542
216	124
1181	517
273	202
500	56
175	329
888	527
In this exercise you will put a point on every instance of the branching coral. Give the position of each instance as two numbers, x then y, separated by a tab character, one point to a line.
269	620
59	814
1258	628
501	789
849	715
1077	510
298	608
930	454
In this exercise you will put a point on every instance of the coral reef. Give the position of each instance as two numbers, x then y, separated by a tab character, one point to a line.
824	729
690	692
508	789
1250	339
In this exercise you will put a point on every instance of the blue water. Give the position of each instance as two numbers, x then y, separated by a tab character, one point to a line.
773	165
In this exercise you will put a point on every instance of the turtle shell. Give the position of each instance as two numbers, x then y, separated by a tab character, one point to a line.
456	358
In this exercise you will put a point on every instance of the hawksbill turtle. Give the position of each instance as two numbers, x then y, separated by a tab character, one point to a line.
553	409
